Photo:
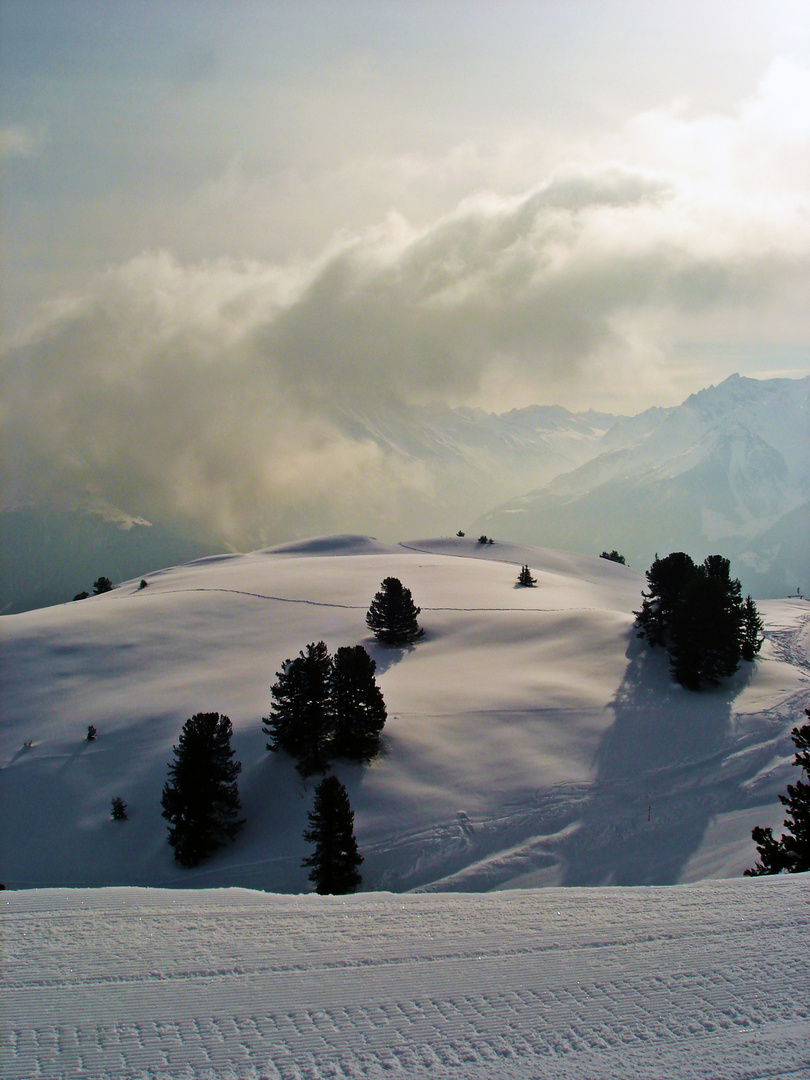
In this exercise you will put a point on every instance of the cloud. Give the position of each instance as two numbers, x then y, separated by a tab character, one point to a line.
222	389
18	141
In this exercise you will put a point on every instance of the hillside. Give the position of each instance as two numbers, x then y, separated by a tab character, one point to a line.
531	740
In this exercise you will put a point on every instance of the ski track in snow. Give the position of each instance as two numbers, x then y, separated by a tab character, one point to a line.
700	982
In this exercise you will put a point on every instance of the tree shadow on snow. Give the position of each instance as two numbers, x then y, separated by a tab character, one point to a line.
657	785
386	656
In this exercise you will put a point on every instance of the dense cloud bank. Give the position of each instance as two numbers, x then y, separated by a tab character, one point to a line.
219	389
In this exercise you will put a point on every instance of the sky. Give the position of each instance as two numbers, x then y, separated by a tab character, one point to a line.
224	223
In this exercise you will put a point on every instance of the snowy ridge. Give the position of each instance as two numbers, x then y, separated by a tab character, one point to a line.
700	982
728	470
531	740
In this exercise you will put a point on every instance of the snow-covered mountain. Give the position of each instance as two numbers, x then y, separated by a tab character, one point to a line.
728	471
531	739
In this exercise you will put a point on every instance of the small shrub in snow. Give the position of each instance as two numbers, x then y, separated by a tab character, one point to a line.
81	595
91	732
102	585
525	577
613	556
144	584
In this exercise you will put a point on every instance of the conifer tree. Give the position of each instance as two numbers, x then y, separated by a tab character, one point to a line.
525	577
666	580
334	862
300	716
200	799
791	852
358	708
697	614
392	614
118	810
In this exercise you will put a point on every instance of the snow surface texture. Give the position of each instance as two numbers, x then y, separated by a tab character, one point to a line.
532	739
699	981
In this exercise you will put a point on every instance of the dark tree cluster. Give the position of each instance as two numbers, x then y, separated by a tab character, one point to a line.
326	707
100	585
392	616
791	852
200	799
696	612
613	556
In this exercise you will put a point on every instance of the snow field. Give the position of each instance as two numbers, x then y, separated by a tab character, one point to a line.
531	739
700	981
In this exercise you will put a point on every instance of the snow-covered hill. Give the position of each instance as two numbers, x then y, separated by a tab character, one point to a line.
697	982
728	471
531	740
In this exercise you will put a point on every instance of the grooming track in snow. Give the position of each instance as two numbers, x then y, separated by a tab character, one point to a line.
703	981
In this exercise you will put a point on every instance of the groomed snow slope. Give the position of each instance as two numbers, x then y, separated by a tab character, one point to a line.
695	982
531	739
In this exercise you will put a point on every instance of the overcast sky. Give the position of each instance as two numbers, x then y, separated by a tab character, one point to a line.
221	220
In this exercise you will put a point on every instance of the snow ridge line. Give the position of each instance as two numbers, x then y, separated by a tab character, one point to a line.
364	607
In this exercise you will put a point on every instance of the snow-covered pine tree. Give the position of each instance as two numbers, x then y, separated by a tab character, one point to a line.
392	614
200	799
791	852
300	716
358	708
334	862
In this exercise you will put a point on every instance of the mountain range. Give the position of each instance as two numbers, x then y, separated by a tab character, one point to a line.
726	471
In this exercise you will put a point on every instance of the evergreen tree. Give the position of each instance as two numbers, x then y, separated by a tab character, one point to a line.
102	585
697	614
751	630
791	852
200	799
300	717
358	709
613	556
118	810
525	577
704	632
666	580
392	615
335	860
